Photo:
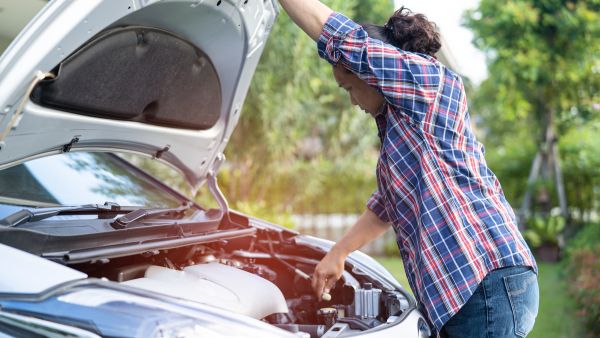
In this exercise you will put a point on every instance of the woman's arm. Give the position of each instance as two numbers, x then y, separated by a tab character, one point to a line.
309	15
406	80
329	270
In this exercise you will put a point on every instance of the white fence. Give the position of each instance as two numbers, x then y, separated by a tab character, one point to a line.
334	226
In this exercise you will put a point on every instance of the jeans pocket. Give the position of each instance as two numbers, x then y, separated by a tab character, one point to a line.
523	294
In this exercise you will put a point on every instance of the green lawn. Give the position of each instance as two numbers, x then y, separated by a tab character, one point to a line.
395	266
557	314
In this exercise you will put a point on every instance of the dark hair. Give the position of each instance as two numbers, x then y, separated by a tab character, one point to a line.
407	31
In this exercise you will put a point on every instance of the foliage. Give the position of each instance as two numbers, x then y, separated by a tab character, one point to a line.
509	157
584	270
544	73
299	145
261	210
543	55
544	230
586	238
581	168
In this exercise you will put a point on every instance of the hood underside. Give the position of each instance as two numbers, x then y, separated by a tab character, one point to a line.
162	78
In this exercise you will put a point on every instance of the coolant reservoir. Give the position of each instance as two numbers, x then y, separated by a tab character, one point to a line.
218	285
366	301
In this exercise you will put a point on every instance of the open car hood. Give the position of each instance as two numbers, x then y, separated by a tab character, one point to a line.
162	78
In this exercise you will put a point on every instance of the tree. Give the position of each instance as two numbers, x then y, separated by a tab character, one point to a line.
299	145
543	58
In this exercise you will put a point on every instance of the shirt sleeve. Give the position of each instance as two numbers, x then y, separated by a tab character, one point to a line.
376	205
407	80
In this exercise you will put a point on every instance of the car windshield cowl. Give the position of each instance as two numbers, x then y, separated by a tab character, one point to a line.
108	209
142	213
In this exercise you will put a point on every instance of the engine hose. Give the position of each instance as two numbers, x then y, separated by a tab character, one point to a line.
325	296
288	265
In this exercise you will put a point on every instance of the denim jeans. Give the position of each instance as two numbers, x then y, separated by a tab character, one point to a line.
504	304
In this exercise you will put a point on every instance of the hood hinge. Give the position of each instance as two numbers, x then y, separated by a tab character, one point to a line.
213	185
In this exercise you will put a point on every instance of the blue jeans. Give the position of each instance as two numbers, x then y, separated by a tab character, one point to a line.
504	304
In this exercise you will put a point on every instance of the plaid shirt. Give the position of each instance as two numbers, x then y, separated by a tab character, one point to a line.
452	222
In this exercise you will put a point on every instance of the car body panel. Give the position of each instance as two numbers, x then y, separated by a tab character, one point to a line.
114	310
26	273
231	33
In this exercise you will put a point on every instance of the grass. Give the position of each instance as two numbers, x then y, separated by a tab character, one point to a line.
557	315
395	266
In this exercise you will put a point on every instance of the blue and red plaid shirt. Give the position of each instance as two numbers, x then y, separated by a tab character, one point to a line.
452	222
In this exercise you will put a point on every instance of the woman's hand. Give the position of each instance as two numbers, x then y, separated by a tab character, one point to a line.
328	271
367	227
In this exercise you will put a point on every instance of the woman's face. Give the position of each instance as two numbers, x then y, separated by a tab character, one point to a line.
361	94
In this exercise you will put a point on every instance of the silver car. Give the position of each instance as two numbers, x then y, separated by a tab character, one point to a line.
93	95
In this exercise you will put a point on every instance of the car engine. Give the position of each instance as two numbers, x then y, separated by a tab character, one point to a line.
218	285
265	279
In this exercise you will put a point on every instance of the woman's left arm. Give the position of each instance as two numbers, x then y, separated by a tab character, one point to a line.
309	15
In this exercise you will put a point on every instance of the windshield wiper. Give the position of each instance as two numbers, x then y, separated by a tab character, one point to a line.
137	215
33	215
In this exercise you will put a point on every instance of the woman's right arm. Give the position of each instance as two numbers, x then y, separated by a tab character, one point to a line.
309	15
367	228
407	81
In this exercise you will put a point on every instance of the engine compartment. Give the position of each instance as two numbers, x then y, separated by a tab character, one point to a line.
264	277
218	285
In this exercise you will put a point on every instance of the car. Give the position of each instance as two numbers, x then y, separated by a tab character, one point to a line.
99	101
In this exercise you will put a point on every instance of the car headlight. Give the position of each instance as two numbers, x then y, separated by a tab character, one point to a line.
25	326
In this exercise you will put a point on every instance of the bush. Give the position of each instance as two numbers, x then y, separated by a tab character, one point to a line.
262	211
587	237
584	271
544	230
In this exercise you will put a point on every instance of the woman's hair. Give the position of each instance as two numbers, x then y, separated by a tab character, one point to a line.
407	31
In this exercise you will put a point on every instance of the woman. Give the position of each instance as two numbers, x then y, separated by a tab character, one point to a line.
466	261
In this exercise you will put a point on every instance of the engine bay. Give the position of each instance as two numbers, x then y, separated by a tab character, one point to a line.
266	277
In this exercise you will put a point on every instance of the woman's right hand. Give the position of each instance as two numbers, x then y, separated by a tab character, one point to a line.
328	271
367	227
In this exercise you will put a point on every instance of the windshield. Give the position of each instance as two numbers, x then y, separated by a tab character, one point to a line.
80	178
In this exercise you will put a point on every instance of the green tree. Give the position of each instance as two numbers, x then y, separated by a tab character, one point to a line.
299	145
544	65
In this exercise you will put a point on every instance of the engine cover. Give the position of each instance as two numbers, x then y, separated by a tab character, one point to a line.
218	285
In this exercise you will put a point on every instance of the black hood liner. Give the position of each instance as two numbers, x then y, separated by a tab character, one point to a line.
137	74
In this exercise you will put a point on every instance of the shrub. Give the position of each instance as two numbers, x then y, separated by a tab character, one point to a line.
584	271
544	230
262	211
587	237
